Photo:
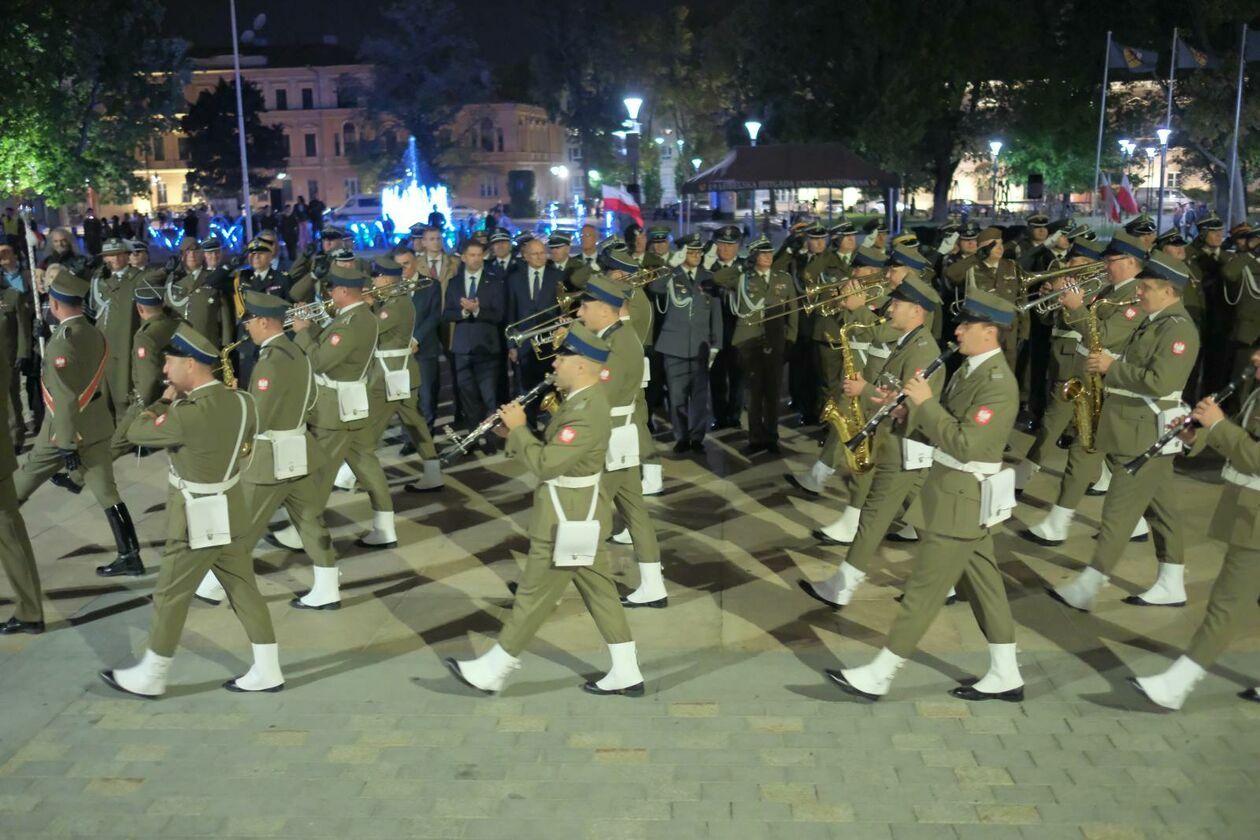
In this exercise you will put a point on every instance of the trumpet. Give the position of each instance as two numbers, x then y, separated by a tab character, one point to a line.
398	288
312	311
870	287
1053	301
1080	272
462	445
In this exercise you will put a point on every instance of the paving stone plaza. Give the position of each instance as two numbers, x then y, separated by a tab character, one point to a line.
739	736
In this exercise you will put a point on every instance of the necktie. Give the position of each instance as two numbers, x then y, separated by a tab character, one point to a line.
472	285
533	285
433	269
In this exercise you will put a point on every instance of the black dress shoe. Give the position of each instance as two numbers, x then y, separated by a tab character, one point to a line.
271	540
1136	601
122	566
1031	537
362	543
826	540
893	536
1064	442
635	690
773	449
231	685
1090	491
407	449
108	677
65	482
697	446
453	667
753	448
15	625
411	487
848	688
1056	596
513	586
950	600
296	603
682	447
796	482
203	599
1250	694
808	589
658	604
968	692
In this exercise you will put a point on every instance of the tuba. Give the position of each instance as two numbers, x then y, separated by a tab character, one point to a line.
1086	393
849	419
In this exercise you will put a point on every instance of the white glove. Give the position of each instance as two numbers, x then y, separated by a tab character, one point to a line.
676	259
713	353
871	239
947	244
710	258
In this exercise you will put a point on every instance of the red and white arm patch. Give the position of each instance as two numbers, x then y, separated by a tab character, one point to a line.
567	435
161	418
1178	348
264	383
335	340
384	314
1130	313
983	415
141	352
604	374
59	362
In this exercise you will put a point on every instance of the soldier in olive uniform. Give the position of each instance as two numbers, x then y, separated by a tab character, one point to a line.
826	328
79	427
16	320
258	276
1118	316
285	460
111	307
200	293
568	462
208	431
691	331
758	292
310	269
16	555
807	258
726	377
1207	257
901	452
1240	278
622	378
1236	522
156	329
1143	382
341	358
968	425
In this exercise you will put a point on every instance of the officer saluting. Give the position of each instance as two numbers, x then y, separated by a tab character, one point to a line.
207	431
156	329
569	524
199	290
968	425
77	431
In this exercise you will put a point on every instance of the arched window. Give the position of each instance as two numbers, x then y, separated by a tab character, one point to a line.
487	135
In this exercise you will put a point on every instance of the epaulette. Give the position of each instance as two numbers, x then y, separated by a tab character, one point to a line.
996	373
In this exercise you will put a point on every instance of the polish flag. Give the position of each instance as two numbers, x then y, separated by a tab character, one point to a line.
1124	195
618	200
1110	206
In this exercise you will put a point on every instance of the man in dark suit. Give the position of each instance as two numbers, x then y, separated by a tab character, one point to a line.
531	300
476	303
427	332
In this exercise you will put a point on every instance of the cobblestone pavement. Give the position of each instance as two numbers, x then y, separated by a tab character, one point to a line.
739	735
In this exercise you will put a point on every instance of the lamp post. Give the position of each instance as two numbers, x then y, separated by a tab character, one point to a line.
1150	169
259	22
995	148
1164	134
633	104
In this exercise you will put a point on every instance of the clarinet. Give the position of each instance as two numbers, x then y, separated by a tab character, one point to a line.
880	416
462	445
1186	422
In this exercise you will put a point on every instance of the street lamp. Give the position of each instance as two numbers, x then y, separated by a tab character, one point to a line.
1150	169
695	164
753	128
995	149
633	104
1163	134
246	36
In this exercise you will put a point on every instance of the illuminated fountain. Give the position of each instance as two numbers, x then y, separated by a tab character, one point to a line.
409	201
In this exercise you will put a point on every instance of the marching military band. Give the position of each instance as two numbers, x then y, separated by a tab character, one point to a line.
270	388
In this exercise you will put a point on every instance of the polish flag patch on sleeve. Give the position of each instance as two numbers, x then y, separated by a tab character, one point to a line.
983	415
1130	313
141	352
264	384
1178	348
605	374
567	435
384	314
335	340
59	362
161	418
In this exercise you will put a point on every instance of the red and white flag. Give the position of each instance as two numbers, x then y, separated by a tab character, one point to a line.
1124	195
618	200
1110	207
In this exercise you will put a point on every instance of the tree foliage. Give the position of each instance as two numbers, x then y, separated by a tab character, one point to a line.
86	85
214	156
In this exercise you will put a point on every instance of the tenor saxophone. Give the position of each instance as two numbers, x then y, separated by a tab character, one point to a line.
850	418
1086	393
225	363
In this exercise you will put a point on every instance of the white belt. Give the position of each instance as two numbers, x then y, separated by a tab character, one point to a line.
879	351
335	384
392	354
574	482
1082	350
202	489
1058	333
1121	392
621	410
1242	479
860	345
277	434
976	468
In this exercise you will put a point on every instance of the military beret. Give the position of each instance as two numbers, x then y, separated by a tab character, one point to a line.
1166	267
1127	245
146	295
114	246
909	257
760	245
870	257
500	235
914	290
386	266
580	341
347	275
1038	220
987	308
332	232
1212	222
67	287
211	243
262	305
258	247
728	234
600	288
187	343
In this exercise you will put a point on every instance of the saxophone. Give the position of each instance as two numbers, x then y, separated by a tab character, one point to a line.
850	419
225	363
1086	393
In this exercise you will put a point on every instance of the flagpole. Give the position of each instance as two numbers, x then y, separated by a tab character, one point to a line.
1233	153
1163	147
1102	118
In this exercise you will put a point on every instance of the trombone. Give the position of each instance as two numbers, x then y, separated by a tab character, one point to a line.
871	287
645	276
1087	279
566	299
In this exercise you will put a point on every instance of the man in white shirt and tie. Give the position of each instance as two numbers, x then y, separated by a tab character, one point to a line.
531	290
475	306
